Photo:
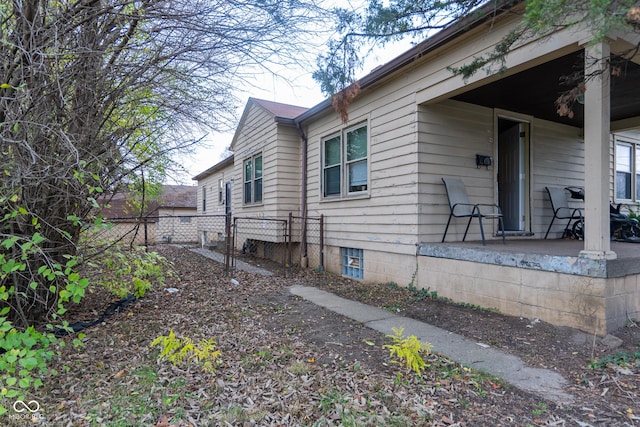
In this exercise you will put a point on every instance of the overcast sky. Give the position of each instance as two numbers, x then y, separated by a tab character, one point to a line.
292	86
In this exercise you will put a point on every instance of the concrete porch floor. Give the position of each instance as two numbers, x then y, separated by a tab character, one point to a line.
556	255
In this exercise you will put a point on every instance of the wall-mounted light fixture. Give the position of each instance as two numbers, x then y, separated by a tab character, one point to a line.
482	160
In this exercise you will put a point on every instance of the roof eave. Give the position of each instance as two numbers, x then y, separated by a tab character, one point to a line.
221	164
457	28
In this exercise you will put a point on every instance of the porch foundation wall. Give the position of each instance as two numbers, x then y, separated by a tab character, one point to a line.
385	267
591	304
379	267
596	305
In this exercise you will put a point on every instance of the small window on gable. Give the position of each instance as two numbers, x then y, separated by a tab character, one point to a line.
352	263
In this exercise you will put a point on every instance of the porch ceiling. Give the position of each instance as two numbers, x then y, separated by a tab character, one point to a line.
535	90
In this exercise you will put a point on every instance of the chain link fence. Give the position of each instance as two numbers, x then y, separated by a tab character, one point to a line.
203	230
286	242
309	236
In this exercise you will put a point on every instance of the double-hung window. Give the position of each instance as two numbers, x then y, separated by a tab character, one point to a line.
345	162
253	179
627	185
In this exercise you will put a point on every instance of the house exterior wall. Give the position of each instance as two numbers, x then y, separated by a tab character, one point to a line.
210	224
279	145
385	218
285	185
450	135
214	206
411	149
557	161
280	162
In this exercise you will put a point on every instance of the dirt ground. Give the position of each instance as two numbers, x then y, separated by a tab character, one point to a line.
343	375
611	393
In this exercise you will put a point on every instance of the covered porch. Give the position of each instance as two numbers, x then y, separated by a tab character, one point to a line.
528	153
591	284
550	280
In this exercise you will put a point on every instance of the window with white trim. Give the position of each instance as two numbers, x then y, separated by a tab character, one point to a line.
253	179
345	162
627	180
220	191
204	199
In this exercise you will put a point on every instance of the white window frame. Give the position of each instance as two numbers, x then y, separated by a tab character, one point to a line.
221	191
345	164
252	181
204	199
633	169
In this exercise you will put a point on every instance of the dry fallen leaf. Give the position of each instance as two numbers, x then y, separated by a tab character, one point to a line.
163	422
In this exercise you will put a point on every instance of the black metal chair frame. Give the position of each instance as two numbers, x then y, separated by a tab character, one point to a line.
460	207
560	205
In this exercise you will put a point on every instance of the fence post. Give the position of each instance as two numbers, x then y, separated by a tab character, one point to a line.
289	243
321	266
227	242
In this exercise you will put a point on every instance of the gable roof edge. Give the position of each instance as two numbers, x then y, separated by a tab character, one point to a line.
218	166
281	113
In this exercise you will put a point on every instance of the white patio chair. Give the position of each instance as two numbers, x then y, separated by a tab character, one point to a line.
460	207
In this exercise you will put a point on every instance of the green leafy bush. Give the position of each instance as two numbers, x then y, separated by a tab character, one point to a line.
25	356
123	271
178	350
408	350
25	351
39	277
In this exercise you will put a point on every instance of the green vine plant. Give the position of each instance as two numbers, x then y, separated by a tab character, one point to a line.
179	350
408	351
26	352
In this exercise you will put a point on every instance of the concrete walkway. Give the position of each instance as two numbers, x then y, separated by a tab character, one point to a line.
543	382
240	265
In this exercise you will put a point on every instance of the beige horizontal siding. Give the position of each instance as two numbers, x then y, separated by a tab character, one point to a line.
281	158
386	219
450	134
558	161
211	184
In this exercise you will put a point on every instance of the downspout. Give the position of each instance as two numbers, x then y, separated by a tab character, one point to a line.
303	196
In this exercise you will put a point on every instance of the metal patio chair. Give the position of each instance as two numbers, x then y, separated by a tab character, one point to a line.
561	209
460	207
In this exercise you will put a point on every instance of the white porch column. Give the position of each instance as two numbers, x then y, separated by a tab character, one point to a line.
597	244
